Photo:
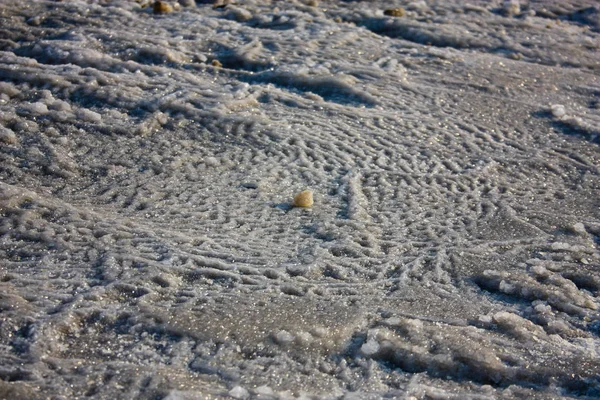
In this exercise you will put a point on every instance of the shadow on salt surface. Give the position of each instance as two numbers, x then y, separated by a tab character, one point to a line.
589	16
421	33
570	125
283	206
469	353
571	129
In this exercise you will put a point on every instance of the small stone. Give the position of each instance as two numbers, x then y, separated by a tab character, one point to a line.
162	7
516	56
304	199
216	63
395	12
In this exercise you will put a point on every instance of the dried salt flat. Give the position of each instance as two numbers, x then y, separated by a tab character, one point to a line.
149	159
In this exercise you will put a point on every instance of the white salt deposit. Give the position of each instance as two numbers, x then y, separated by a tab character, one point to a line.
239	392
579	228
558	110
7	136
149	247
511	7
88	115
284	337
370	347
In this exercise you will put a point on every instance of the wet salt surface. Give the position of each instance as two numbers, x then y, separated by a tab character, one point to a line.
149	247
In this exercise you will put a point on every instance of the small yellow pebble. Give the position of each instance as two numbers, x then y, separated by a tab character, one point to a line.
395	12
162	7
304	199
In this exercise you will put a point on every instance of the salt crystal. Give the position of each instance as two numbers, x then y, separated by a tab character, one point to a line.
284	337
579	228
239	392
558	110
370	347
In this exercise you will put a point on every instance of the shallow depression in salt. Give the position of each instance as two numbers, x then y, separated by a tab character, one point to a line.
300	199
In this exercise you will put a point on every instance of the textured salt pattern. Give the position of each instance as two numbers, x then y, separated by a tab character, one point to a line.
149	247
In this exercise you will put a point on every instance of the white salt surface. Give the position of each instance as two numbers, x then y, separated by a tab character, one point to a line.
149	247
